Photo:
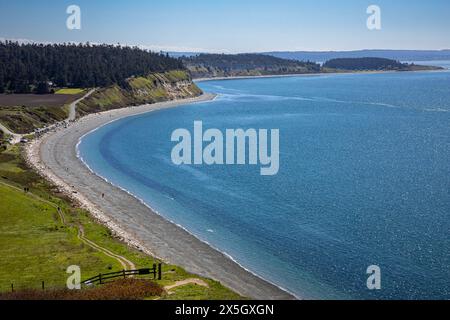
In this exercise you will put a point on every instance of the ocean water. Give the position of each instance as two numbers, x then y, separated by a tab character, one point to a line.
438	63
364	180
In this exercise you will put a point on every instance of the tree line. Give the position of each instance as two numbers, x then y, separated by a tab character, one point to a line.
248	61
368	63
26	68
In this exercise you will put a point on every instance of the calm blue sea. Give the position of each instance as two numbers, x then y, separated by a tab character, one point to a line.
364	180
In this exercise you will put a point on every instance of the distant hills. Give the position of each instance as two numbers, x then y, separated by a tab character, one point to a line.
226	65
401	55
244	65
322	56
372	64
26	68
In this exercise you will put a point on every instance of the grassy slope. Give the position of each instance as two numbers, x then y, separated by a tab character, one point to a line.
212	72
3	139
141	90
36	246
25	120
70	91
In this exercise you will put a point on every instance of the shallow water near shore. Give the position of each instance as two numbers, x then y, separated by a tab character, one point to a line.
364	180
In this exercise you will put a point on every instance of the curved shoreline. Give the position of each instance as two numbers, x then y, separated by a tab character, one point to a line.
55	157
318	74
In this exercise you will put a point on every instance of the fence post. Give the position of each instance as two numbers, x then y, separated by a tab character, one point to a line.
43	286
159	271
100	278
12	287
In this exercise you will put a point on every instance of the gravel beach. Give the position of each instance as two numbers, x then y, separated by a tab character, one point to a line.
55	157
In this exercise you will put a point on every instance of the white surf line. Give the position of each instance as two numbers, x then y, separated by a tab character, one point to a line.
163	216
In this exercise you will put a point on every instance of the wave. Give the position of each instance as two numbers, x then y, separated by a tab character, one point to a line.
436	110
264	97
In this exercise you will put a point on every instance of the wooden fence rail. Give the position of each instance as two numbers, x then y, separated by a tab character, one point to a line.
156	271
100	278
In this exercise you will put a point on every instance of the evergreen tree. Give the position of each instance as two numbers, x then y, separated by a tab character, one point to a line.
27	65
42	88
2	81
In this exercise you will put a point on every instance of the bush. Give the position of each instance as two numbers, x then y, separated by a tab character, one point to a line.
124	289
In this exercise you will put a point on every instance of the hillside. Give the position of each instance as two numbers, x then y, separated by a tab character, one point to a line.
38	82
2	141
153	88
26	68
223	65
46	233
372	64
23	113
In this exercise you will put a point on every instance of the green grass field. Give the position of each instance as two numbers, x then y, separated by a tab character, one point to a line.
69	91
36	246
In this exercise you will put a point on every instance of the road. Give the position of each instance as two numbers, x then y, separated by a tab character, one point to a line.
126	264
73	106
16	138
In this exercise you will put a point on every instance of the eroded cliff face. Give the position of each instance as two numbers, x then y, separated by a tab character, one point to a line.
156	87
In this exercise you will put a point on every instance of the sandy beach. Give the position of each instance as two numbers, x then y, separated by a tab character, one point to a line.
54	156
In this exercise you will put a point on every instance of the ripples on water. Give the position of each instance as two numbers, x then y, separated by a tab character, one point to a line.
364	179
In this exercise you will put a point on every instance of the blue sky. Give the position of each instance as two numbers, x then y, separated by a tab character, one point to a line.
233	25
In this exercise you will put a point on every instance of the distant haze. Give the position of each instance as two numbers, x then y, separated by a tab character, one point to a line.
322	56
402	55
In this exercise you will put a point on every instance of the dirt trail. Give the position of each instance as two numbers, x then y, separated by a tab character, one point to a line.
16	138
181	283
126	264
55	157
73	106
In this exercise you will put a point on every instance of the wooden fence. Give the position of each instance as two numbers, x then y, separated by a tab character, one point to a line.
101	278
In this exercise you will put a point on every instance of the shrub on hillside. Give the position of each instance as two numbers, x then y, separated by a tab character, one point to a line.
124	289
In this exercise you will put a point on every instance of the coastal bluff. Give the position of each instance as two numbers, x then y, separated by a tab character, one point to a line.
153	88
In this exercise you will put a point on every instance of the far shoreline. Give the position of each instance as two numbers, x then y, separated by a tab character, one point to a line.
55	157
318	74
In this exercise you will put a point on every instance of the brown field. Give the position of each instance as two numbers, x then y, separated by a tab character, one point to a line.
23	113
37	100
